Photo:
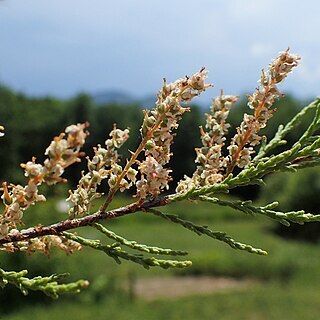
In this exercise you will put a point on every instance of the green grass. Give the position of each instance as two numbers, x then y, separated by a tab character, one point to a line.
287	279
269	301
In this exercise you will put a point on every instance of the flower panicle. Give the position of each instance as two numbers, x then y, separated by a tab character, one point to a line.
211	162
103	165
282	65
157	131
63	151
261	102
213	166
42	244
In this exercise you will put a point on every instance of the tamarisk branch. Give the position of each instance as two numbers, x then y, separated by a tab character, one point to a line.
57	228
222	164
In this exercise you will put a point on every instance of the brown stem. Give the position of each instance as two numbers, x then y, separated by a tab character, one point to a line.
248	133
236	156
57	228
132	160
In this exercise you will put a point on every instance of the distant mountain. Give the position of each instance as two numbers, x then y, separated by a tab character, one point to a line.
113	96
148	102
123	97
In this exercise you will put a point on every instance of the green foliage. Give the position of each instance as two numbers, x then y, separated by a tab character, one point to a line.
48	285
137	246
286	188
117	253
204	230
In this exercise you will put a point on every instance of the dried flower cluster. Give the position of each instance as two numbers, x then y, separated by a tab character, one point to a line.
209	156
157	131
261	102
61	153
214	166
43	245
103	165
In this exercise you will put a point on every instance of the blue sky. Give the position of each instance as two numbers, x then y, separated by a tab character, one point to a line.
62	47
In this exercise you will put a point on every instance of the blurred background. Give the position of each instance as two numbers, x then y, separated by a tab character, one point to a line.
64	62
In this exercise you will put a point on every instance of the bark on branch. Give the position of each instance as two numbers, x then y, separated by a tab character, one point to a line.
57	228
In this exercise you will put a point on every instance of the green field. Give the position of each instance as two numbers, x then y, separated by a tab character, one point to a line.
285	284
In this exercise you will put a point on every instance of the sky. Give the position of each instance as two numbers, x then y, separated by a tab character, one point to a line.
61	48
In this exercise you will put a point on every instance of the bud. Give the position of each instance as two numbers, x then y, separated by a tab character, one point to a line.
96	178
150	145
149	121
1	133
6	197
117	169
112	181
162	108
